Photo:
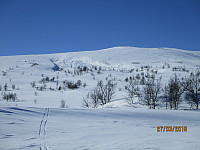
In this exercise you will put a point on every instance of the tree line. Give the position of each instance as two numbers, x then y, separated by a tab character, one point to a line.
150	91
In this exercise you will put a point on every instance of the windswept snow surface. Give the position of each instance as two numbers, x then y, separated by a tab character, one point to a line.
101	129
36	121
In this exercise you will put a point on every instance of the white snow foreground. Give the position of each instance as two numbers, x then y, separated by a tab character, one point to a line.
101	129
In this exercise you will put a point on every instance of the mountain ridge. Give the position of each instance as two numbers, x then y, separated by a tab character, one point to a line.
115	57
111	48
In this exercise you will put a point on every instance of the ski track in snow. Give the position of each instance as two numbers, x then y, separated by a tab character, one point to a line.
42	130
23	123
101	129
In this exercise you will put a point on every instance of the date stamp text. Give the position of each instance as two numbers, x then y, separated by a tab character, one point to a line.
171	128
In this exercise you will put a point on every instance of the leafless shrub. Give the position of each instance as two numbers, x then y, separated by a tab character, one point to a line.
13	86
192	87
35	101
174	91
10	96
86	103
132	89
62	104
152	90
102	94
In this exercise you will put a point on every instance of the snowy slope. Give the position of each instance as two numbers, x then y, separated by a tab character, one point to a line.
36	121
116	56
21	70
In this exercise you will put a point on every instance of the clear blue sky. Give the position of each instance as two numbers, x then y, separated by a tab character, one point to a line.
54	26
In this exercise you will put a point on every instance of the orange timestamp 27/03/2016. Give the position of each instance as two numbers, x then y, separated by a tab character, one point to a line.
171	128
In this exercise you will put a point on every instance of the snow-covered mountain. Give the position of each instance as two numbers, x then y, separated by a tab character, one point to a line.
35	117
117	61
115	57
